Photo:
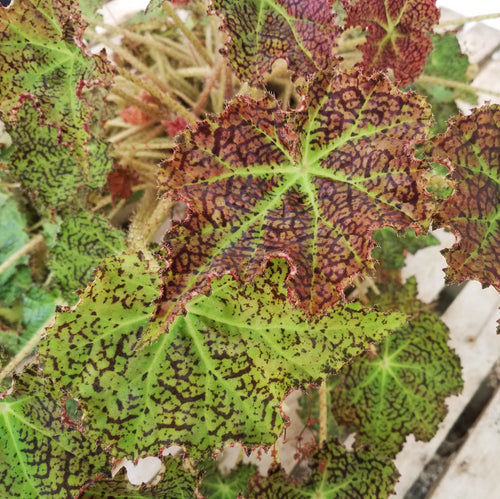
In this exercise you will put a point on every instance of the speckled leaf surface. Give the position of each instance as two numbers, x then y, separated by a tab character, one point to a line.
83	241
219	374
336	474
261	31
41	54
39	456
471	149
402	389
172	481
54	174
398	34
310	185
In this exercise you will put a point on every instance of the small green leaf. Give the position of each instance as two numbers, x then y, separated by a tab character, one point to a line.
83	241
217	376
336	474
39	456
402	389
393	247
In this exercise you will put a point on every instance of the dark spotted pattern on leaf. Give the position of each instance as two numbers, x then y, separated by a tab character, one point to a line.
172	481
42	54
336	474
402	389
471	149
83	241
52	173
397	34
310	185
39	456
261	31
218	376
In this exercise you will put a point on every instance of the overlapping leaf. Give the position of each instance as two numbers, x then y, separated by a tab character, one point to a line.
39	456
471	149
49	170
336	474
171	481
41	55
398	34
83	241
311	185
402	389
219	374
261	31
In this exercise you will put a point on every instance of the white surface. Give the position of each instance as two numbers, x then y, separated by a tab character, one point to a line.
474	8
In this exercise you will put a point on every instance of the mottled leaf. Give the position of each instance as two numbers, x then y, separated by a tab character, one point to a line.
215	485
402	389
336	474
219	374
49	170
172	481
42	55
310	185
261	31
398	34
39	456
394	248
83	241
471	149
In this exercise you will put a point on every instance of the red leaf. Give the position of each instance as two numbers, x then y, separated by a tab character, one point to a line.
134	116
398	34
175	127
120	182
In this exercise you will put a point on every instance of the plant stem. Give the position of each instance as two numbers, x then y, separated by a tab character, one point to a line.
209	85
465	20
434	80
323	413
147	108
167	7
24	352
29	246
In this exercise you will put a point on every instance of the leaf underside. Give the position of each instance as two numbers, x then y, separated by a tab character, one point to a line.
261	31
39	456
310	186
398	34
471	149
336	474
219	374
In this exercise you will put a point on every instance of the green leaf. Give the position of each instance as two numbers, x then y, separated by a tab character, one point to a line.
445	61
171	481
51	171
39	456
43	56
215	485
219	374
398	34
402	389
310	185
470	149
83	241
336	474
393	247
261	31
